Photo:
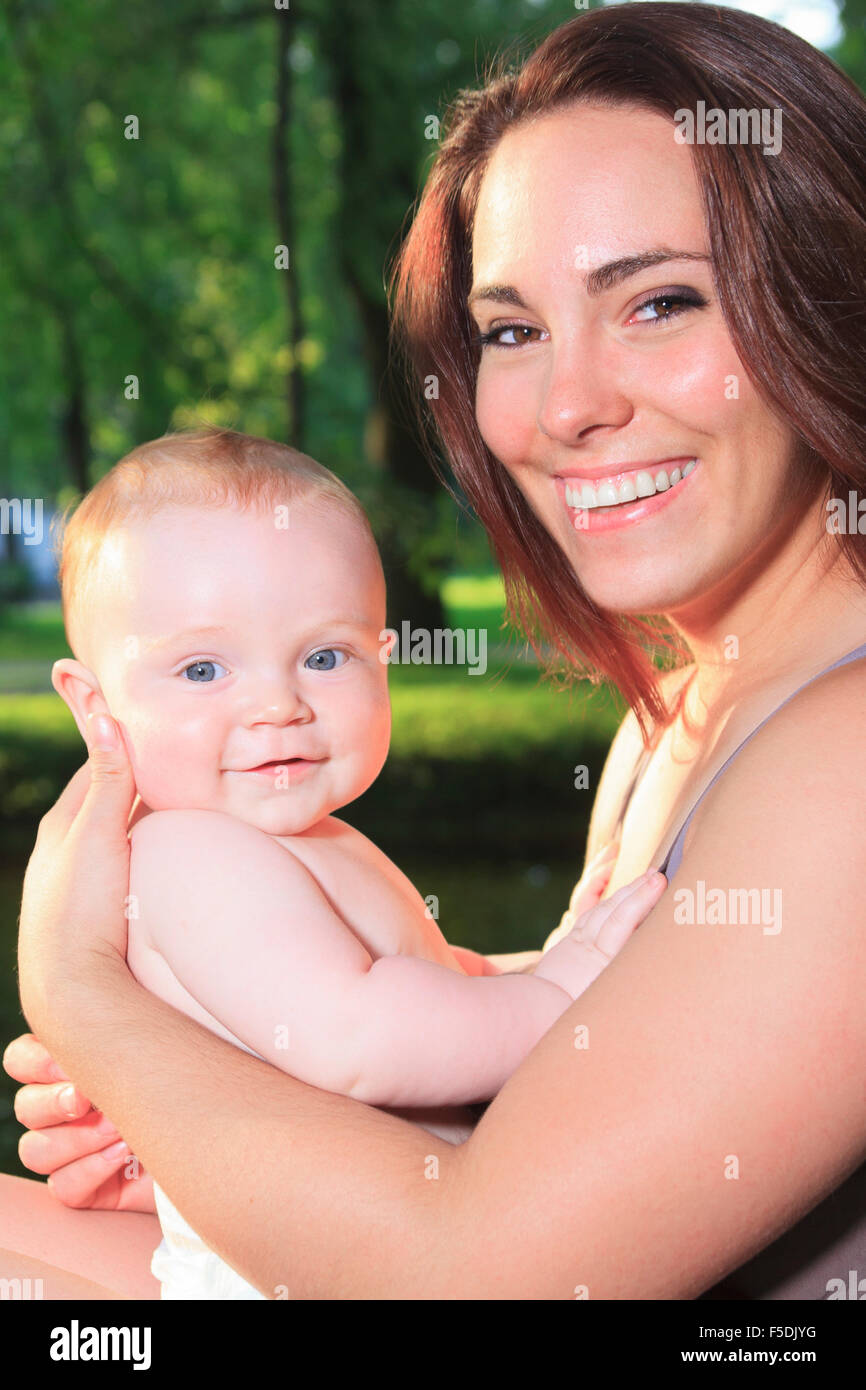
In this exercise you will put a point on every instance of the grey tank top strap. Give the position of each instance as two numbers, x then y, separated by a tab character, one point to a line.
675	853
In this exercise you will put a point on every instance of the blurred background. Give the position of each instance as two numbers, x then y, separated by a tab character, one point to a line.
152	160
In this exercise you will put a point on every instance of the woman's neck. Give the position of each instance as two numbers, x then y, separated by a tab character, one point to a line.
787	618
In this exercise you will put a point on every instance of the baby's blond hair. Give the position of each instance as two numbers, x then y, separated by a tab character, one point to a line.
206	467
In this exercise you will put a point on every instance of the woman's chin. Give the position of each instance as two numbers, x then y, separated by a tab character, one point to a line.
638	598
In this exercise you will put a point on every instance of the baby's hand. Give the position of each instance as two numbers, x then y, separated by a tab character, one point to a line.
586	892
599	934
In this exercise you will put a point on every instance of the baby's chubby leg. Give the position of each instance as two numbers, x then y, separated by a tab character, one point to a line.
76	1254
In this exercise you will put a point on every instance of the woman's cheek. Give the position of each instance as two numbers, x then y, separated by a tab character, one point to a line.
505	418
698	381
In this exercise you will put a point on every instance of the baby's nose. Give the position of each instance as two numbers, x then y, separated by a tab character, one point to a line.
276	703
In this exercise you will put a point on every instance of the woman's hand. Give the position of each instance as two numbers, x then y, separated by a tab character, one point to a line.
76	883
80	1150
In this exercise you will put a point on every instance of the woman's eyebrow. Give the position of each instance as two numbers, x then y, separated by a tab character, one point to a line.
603	277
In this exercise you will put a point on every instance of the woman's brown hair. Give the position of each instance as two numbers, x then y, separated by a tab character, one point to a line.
787	235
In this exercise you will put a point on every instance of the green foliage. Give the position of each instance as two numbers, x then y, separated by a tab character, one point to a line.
32	633
850	53
153	257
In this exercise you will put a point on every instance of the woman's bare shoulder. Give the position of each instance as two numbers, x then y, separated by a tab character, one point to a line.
811	754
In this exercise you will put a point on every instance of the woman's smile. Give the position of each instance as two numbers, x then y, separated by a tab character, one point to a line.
623	498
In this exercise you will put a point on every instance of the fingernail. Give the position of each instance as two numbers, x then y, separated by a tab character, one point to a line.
66	1097
115	1150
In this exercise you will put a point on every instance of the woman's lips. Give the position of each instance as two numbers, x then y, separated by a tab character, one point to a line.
615	517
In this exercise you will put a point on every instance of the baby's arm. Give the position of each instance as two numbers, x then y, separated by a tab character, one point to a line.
248	932
475	964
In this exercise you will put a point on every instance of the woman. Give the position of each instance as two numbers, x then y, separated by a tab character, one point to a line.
637	306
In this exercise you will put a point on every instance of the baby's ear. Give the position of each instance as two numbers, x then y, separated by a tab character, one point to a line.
80	690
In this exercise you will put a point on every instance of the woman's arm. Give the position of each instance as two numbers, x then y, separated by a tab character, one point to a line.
704	1093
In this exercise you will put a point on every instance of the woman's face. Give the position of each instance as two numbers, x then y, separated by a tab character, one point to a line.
606	376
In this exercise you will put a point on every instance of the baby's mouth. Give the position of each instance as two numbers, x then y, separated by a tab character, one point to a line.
279	762
280	771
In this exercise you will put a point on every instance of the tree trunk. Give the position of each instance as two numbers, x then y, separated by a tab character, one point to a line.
394	447
73	425
285	221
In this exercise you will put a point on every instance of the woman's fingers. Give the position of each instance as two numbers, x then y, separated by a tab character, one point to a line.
25	1059
40	1106
101	1182
45	1150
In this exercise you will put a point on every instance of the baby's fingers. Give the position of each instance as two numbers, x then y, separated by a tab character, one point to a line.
637	901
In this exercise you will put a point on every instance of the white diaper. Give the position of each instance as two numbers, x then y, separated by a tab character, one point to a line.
186	1267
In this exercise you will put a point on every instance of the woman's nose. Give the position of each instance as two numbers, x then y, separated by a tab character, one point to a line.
581	391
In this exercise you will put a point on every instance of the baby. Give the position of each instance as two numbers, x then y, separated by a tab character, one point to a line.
225	601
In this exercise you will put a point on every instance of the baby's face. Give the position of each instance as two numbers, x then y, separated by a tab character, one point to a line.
242	661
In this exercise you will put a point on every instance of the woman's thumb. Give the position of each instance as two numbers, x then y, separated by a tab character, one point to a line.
108	763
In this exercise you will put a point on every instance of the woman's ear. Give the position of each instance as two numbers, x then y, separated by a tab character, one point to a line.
80	690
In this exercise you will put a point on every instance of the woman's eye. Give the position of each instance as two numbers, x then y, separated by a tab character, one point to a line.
204	671
328	659
494	339
672	304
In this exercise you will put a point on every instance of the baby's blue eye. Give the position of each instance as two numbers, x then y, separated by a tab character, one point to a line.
204	671
325	660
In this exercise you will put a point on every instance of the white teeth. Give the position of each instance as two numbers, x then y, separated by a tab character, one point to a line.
608	494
